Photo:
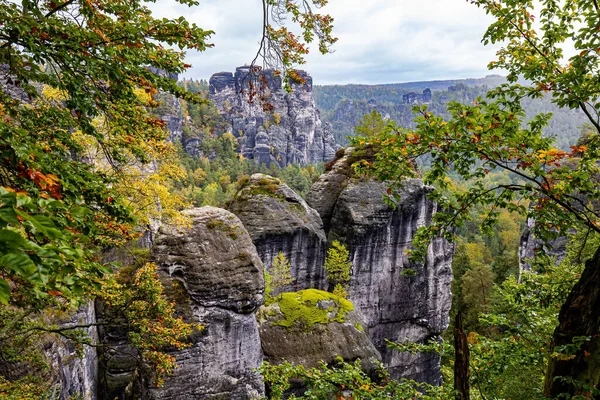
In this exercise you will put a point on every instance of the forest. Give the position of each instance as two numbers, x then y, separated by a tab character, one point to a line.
344	106
90	173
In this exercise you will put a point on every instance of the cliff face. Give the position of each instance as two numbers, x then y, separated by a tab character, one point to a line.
213	274
75	376
280	220
401	301
282	128
78	375
529	243
216	267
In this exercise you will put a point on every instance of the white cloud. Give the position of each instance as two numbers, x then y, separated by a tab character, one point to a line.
380	41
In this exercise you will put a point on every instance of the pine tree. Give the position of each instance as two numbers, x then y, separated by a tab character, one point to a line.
337	265
279	275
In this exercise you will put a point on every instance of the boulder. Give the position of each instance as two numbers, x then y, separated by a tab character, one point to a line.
312	326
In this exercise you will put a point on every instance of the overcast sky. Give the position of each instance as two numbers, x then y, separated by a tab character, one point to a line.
380	41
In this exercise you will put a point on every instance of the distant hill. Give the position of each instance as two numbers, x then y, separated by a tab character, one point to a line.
344	105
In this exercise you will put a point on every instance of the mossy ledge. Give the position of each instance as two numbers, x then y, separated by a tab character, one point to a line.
303	309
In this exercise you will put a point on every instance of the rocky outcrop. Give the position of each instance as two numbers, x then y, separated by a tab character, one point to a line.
401	300
77	373
217	266
529	243
214	275
280	220
324	193
271	125
415	98
311	326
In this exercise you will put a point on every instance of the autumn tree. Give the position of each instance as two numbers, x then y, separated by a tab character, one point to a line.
548	49
78	82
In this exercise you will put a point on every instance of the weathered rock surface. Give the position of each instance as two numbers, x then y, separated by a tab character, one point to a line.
300	343
283	128
67	372
401	301
324	193
217	266
77	376
214	275
529	243
280	220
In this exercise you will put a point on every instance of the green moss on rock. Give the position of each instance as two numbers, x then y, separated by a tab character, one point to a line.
229	229
303	309
359	327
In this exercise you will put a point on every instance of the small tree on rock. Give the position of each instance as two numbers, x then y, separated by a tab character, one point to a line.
279	276
337	265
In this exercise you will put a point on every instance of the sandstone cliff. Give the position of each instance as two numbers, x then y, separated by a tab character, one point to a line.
283	128
216	265
401	301
214	275
280	220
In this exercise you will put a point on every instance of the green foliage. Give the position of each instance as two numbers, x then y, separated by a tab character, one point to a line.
150	321
303	309
215	181
476	289
371	124
28	388
340	291
278	276
344	380
338	265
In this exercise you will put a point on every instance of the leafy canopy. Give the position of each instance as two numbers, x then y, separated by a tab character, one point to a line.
558	189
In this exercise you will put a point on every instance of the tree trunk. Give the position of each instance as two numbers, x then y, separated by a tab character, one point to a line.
579	317
461	359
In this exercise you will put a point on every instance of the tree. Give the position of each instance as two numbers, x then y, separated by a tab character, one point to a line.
80	76
278	276
338	265
371	124
490	135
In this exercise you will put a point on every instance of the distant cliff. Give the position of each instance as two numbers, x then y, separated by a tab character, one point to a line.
272	126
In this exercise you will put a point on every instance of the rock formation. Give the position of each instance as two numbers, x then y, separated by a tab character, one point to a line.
214	275
280	220
311	326
272	126
401	301
216	265
529	243
415	98
77	376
